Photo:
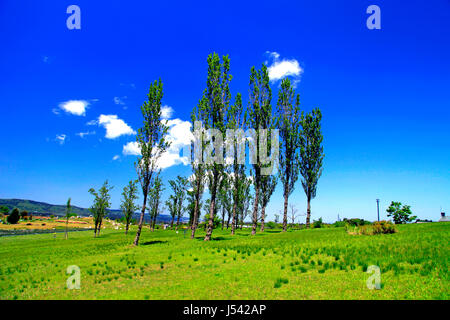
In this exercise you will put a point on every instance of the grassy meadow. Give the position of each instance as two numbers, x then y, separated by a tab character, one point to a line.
299	264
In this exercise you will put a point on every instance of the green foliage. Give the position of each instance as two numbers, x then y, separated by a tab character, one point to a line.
128	206
68	214
101	204
257	117
155	194
216	103
24	214
288	123
383	226
400	214
355	222
152	142
4	209
339	224
318	223
378	227
14	217
271	225
216	223
175	202
311	153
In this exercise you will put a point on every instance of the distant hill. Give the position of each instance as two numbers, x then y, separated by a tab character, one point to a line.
45	209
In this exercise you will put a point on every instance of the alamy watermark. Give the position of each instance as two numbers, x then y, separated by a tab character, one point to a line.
374	281
209	147
374	20
74	281
74	20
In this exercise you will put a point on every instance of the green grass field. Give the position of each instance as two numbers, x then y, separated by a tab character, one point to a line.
304	264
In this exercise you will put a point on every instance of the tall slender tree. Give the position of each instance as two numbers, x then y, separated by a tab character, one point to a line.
217	95
258	116
171	205
128	206
236	117
181	195
155	200
311	152
268	184
152	142
224	197
101	205
288	124
69	214
197	180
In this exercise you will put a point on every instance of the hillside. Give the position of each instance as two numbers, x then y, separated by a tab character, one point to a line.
46	209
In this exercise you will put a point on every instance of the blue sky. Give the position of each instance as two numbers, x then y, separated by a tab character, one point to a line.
384	93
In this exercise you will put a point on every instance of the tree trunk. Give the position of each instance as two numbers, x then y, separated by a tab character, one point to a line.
223	216
255	205
194	220
99	227
263	214
211	210
228	221
67	223
234	221
286	196
141	221
308	213
126	228
178	221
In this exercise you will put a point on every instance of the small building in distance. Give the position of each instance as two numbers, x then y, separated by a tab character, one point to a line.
444	218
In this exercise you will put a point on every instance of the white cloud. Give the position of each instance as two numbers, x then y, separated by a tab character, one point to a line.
131	149
166	112
119	101
83	134
114	126
61	138
179	134
274	55
280	69
75	107
116	157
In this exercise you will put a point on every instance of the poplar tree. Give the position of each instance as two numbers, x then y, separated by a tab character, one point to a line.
268	184
128	206
181	183
288	124
69	214
217	96
155	200
235	121
101	205
311	152
258	116
171	204
197	180
152	142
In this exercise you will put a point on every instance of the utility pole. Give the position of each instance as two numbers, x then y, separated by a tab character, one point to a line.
378	209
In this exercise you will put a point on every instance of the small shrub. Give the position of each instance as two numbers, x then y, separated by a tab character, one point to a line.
270	225
385	227
14	217
318	223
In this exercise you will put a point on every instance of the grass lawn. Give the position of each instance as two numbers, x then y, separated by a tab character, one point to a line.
305	264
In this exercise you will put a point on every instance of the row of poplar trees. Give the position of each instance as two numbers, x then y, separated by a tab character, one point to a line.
300	149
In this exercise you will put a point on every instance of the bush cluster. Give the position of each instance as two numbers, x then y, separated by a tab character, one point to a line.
378	227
